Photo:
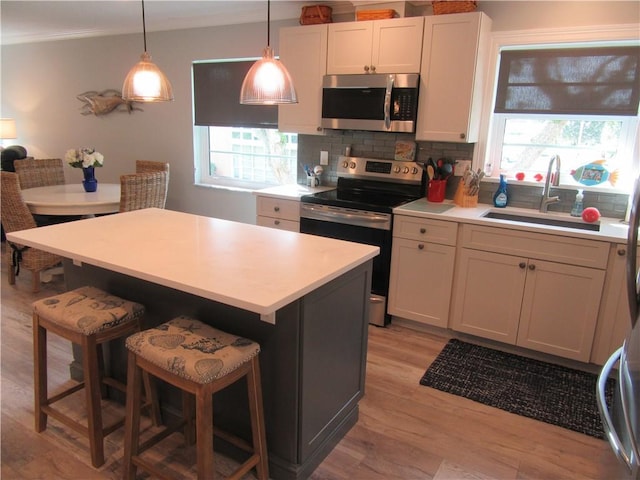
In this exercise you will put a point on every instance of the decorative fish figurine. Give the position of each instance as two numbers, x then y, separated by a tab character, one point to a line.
594	173
101	103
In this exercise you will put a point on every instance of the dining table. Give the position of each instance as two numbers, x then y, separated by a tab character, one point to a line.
71	199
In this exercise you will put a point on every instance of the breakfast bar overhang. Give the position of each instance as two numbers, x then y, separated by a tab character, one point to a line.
303	298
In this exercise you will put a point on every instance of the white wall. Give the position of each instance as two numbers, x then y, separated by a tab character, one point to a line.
40	82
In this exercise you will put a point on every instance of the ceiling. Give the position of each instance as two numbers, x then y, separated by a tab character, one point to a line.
24	21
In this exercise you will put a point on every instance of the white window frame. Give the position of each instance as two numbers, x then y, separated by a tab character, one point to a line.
201	149
486	149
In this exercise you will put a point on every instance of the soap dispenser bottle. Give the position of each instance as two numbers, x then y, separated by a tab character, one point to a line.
500	197
578	206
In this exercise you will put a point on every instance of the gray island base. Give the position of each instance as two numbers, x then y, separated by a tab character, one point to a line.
313	360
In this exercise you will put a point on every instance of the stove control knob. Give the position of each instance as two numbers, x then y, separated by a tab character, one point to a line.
414	170
345	164
405	170
352	165
396	170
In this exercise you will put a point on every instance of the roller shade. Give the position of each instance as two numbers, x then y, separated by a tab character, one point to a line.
582	81
216	97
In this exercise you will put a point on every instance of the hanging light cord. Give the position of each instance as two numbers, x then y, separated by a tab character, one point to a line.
268	23
144	28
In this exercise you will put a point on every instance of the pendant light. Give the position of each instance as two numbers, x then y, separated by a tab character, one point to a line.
268	82
145	82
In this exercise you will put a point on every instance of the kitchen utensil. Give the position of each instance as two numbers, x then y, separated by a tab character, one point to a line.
430	172
446	170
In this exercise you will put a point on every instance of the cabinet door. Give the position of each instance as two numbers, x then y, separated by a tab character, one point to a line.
451	77
420	281
397	45
614	320
488	294
560	309
349	47
303	50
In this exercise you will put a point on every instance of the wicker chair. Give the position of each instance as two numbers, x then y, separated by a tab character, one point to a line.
16	216
146	166
143	190
40	172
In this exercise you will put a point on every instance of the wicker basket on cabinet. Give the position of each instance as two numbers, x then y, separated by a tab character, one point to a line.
382	14
453	6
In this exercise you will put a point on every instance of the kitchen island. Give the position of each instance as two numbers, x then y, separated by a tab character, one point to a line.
303	298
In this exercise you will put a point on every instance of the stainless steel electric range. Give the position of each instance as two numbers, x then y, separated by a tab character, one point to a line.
360	210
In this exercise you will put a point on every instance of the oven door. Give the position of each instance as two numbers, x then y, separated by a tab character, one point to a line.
360	234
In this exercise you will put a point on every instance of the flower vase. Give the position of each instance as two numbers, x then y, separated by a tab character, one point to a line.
89	183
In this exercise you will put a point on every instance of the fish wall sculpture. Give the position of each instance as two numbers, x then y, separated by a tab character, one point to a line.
102	103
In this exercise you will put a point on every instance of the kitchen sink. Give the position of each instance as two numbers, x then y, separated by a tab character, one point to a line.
542	220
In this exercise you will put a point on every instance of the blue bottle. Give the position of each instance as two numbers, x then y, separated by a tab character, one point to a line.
500	197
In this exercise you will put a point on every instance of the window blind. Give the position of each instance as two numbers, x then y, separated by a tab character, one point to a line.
216	97
582	81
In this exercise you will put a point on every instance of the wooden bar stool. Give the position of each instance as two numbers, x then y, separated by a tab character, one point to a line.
87	317
200	360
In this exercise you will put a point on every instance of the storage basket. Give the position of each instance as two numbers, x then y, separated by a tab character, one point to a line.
315	14
375	14
453	6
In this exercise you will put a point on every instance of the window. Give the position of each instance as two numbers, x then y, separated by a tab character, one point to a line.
236	145
580	103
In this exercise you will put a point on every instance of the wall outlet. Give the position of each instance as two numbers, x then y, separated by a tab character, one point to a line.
324	157
460	167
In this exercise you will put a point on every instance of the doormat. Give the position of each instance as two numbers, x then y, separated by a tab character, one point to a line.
549	393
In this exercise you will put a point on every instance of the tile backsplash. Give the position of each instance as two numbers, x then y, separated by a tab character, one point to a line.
382	145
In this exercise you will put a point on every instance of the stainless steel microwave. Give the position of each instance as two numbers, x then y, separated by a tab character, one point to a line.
378	102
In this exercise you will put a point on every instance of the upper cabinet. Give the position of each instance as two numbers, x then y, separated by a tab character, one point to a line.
303	50
378	46
452	75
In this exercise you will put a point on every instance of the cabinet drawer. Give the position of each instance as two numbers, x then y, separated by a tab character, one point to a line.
428	230
574	251
281	224
279	208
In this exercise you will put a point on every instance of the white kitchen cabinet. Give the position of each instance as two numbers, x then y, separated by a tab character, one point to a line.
375	46
452	76
303	50
533	290
614	320
422	261
278	213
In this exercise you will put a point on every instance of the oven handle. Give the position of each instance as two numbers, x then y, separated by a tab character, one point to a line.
387	102
370	219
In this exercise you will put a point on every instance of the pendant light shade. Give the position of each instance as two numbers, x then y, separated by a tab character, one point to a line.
145	82
268	82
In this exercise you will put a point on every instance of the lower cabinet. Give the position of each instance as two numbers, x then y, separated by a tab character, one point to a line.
548	306
278	213
422	262
614	321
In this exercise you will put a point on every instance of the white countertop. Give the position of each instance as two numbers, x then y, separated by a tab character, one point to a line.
246	266
611	229
293	191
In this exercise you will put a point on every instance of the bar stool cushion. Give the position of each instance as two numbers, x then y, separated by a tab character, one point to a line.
192	350
87	310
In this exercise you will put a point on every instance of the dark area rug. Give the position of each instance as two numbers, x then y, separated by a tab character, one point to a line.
550	393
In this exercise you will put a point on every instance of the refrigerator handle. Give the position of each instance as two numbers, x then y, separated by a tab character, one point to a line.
632	250
607	422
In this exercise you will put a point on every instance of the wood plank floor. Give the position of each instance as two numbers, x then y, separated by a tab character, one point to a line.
405	431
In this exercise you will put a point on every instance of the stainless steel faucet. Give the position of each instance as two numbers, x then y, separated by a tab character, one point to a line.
550	180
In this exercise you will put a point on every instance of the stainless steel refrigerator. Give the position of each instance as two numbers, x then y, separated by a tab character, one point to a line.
621	421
